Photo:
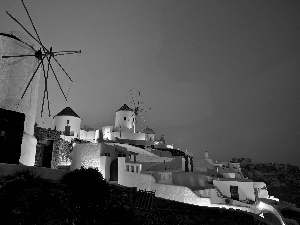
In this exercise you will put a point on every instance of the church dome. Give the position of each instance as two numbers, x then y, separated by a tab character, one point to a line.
125	108
67	112
148	131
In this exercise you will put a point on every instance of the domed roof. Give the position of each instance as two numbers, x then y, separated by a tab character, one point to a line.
148	131
67	112
125	108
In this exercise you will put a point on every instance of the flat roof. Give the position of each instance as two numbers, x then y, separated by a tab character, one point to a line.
234	179
133	149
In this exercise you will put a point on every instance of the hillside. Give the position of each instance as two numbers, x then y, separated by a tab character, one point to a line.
87	199
283	182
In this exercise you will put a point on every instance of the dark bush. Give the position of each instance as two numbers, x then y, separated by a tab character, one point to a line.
87	185
27	199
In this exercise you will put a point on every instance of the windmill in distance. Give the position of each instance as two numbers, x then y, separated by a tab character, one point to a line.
139	108
43	54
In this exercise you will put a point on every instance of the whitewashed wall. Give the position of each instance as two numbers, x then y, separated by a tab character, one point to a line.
215	198
130	136
133	179
146	158
228	175
91	135
105	166
245	189
107	130
119	120
203	193
83	134
87	155
171	192
28	157
165	177
61	121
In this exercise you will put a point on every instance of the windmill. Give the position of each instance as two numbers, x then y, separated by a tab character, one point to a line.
139	108
21	64
43	54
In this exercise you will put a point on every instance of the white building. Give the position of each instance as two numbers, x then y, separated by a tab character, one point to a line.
124	128
69	122
125	120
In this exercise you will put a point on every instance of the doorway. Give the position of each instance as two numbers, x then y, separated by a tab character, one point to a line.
234	190
47	148
67	130
114	170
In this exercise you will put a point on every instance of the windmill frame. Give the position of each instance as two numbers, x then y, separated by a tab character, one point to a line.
41	54
134	97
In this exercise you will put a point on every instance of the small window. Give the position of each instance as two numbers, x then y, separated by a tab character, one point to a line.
132	168
159	177
127	168
108	154
68	121
170	176
124	117
137	169
132	119
119	155
124	155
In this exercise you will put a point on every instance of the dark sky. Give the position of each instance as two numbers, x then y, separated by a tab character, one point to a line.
221	76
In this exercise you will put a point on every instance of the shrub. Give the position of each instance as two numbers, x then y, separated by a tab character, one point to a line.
87	185
27	199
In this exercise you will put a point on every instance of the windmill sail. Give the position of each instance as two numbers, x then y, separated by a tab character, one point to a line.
134	97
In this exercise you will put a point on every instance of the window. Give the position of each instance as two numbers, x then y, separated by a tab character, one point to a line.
127	168
68	121
2	133
132	119
124	155
132	168
169	176
119	155
137	169
124	117
159	177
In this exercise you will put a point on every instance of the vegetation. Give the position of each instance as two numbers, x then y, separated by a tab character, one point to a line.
61	149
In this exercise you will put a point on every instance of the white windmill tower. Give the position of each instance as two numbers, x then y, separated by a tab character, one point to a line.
139	109
124	121
20	66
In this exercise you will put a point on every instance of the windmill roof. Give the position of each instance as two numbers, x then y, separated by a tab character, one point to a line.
148	131
125	108
67	112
